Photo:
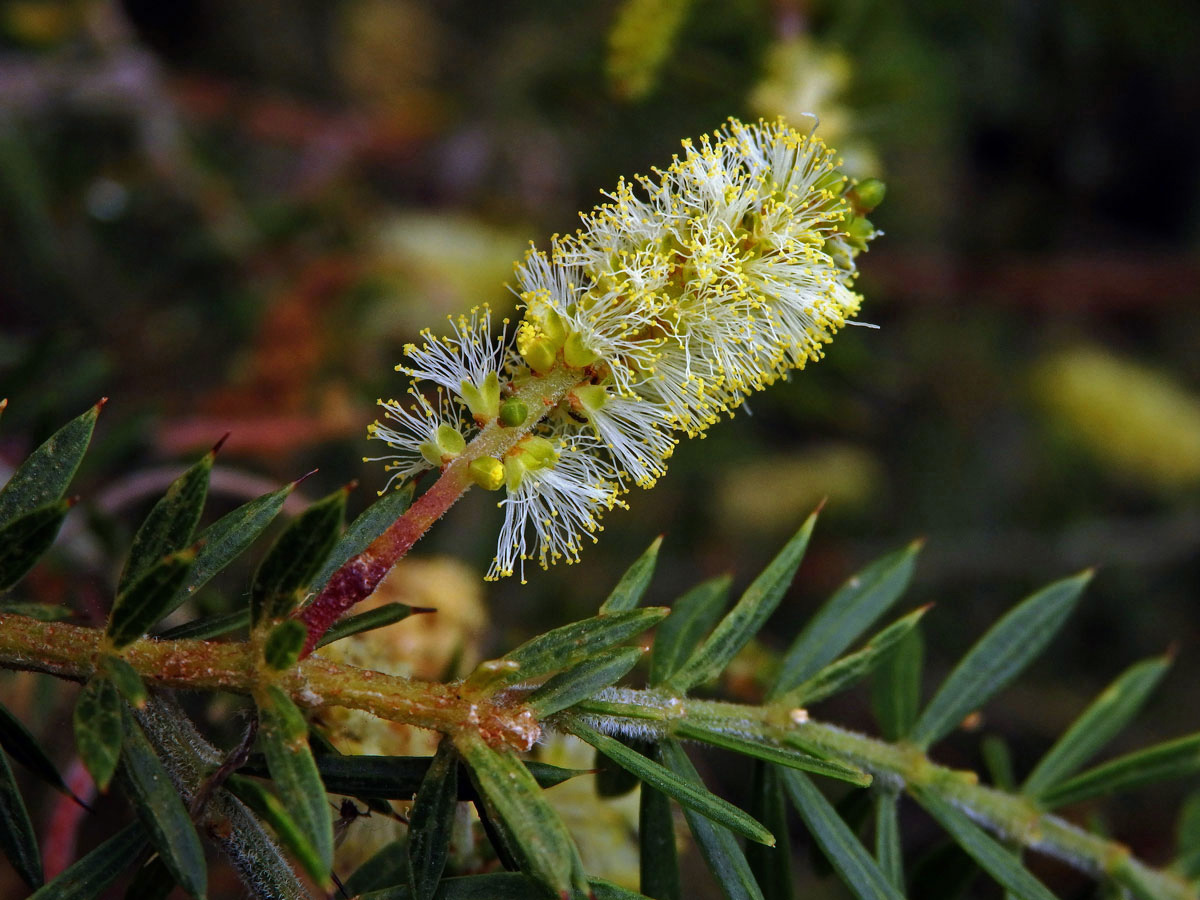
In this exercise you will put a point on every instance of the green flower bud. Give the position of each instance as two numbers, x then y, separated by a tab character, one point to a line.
513	413
552	325
450	441
575	354
540	355
483	400
869	193
859	231
591	397
431	453
513	473
487	472
536	452
446	445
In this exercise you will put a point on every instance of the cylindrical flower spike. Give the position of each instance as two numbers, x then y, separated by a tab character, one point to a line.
675	300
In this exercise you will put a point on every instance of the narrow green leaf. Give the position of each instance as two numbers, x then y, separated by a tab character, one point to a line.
26	538
658	856
1103	720
47	472
896	687
372	522
297	555
992	856
162	812
508	854
856	867
227	538
379	617
533	830
170	525
17	837
748	615
153	881
889	851
22	746
692	616
125	677
853	608
87	878
768	752
209	627
681	790
268	807
997	763
387	867
501	886
569	645
569	687
717	845
849	670
394	777
1187	862
772	866
43	612
283	734
146	600
998	657
855	808
97	723
284	643
1179	758
431	822
629	590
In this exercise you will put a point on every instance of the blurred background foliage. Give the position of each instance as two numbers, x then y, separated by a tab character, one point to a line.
231	216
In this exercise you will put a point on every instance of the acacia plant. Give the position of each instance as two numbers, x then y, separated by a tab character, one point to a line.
678	297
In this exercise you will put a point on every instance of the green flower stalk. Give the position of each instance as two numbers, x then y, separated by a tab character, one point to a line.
681	295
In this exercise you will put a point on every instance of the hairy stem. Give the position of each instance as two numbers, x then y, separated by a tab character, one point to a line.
1011	816
359	576
68	651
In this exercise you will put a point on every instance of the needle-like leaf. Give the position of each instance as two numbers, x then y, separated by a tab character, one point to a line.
841	846
629	590
854	608
998	657
682	790
748	615
47	472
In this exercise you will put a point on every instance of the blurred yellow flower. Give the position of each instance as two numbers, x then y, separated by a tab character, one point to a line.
642	35
1133	419
433	264
804	80
770	494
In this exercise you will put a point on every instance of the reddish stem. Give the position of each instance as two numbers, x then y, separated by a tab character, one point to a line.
360	576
